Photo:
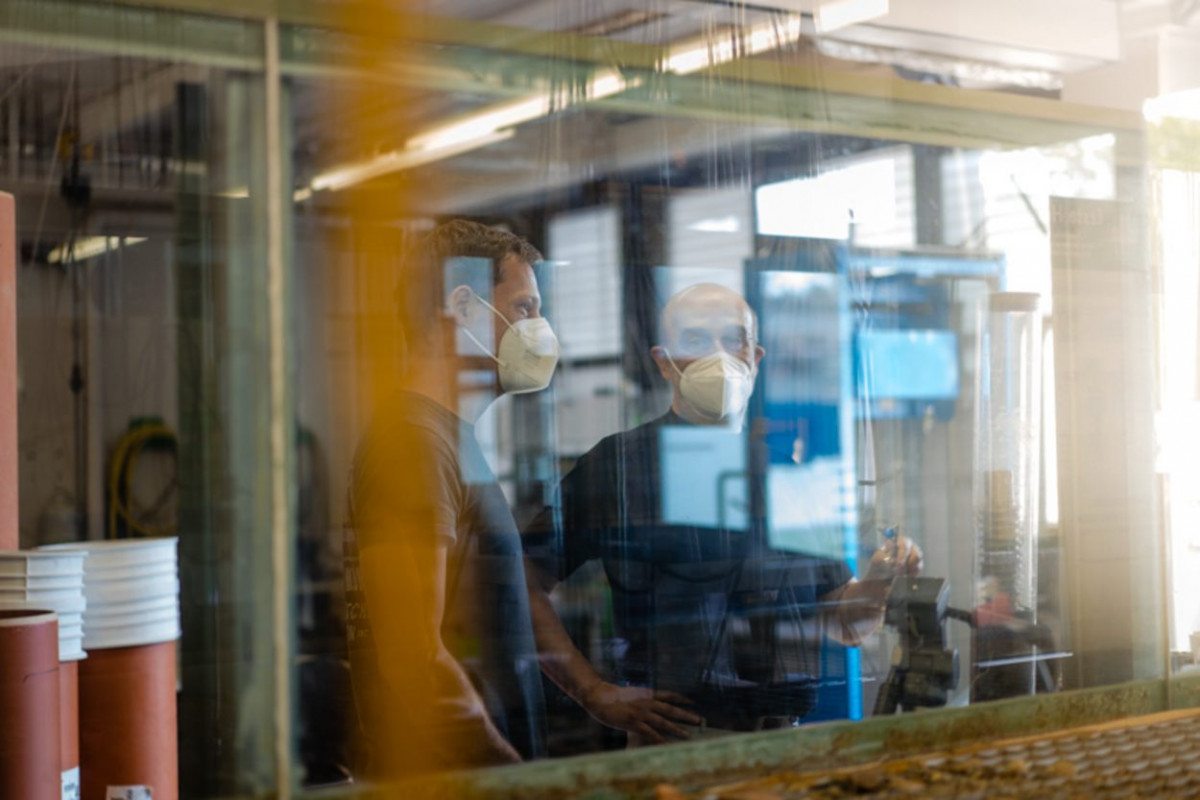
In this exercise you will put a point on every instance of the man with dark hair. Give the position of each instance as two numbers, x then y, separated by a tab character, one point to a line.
442	653
448	256
675	582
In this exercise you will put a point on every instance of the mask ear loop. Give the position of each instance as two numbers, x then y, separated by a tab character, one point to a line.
478	343
674	366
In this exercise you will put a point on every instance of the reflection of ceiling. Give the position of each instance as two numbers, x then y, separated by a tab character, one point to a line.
1062	35
671	19
128	101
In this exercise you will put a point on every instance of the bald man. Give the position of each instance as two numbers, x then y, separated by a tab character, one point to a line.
676	584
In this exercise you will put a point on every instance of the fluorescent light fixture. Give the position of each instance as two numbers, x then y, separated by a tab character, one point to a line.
608	83
482	124
698	57
694	55
89	247
472	131
395	161
238	193
838	14
495	123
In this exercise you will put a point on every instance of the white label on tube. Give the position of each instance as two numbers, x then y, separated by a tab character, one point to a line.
128	793
70	784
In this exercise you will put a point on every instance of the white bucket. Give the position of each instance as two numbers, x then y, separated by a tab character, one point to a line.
136	618
131	635
25	582
133	572
29	563
103	593
132	591
119	553
36	598
160	603
66	604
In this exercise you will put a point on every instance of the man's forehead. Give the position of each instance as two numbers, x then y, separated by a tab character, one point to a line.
708	316
517	275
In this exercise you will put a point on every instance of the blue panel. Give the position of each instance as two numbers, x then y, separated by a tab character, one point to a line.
908	364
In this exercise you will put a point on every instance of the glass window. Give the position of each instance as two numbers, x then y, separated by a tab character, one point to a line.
530	380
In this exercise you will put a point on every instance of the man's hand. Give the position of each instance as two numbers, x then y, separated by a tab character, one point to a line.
645	712
896	557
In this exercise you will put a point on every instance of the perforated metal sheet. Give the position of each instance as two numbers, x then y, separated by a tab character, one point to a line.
1148	757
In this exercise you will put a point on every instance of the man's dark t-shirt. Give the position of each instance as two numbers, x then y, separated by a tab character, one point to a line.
672	584
421	464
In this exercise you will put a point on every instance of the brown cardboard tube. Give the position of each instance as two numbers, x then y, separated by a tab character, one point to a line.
29	714
127	728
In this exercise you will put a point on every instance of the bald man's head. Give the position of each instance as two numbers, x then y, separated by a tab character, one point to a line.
703	320
704	316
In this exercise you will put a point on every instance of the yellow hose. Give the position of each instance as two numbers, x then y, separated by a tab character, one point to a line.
124	453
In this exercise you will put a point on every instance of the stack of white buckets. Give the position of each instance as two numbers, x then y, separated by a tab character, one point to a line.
53	581
132	591
127	715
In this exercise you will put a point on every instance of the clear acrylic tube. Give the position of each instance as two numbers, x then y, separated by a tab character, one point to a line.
1007	457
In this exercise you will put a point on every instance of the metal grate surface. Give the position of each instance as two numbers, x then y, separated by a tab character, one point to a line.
1146	757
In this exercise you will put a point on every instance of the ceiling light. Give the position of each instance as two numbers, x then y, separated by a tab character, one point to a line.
495	123
476	126
608	83
694	55
86	247
395	161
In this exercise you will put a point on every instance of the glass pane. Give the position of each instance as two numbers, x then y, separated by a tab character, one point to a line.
805	455
134	144
654	371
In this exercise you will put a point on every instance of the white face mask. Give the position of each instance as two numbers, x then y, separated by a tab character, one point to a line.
528	353
718	386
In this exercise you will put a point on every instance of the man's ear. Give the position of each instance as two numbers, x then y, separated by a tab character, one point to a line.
659	354
458	303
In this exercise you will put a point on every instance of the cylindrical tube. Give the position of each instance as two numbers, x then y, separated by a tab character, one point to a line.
30	757
68	703
1007	457
9	539
127	720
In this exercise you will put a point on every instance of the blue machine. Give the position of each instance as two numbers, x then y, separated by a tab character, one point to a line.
849	334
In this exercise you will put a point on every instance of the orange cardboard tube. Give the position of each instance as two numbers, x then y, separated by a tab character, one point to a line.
29	713
9	539
127	721
68	704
